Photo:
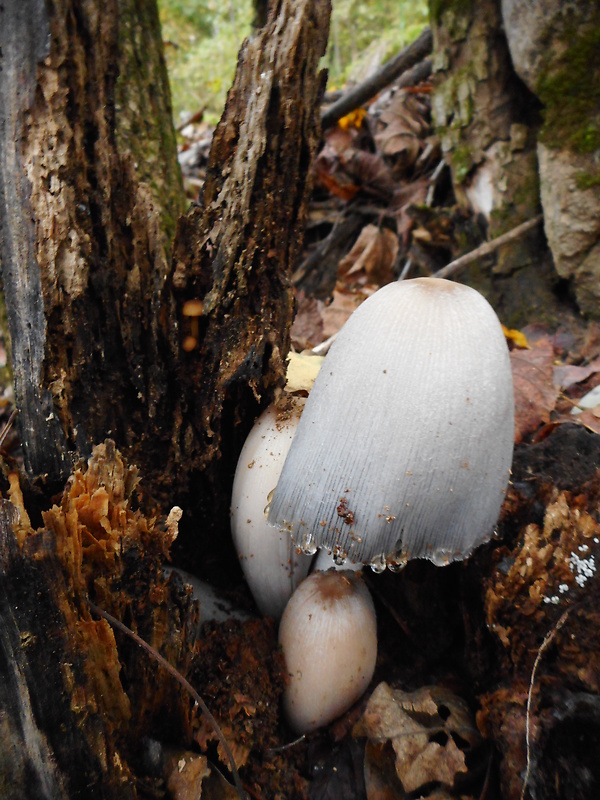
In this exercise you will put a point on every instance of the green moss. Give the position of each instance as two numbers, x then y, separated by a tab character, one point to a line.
453	8
144	120
570	89
462	161
588	180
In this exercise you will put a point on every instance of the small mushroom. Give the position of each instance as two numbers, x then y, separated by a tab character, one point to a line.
405	445
193	309
270	561
328	635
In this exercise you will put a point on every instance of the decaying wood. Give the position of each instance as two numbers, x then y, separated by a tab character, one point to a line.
91	195
236	252
86	711
74	707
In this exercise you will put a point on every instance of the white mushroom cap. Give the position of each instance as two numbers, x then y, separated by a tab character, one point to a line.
405	444
270	561
328	634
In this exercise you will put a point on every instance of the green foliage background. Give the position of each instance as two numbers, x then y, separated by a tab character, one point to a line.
202	39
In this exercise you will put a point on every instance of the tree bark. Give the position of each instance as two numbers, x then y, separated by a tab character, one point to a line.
91	195
521	130
88	216
104	345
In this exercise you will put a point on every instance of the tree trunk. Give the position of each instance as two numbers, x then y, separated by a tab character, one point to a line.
90	193
103	344
555	51
487	121
520	129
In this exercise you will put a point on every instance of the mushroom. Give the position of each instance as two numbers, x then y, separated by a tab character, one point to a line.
193	309
272	566
405	445
328	635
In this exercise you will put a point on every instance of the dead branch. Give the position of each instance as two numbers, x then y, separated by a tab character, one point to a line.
488	247
409	57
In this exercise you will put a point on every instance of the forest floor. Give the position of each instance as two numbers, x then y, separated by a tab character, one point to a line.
485	667
488	671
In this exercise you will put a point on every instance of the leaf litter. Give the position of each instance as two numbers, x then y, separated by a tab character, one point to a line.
383	208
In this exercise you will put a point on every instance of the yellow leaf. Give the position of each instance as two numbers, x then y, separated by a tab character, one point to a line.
353	119
302	371
517	338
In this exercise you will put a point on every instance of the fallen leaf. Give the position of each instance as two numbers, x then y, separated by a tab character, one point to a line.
370	171
307	328
342	305
401	129
374	252
518	338
567	375
535	392
301	372
588	418
381	780
430	730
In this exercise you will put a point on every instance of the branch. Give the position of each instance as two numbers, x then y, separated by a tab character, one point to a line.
488	247
411	55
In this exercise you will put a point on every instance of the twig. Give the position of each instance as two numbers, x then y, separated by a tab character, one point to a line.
183	682
488	247
189	120
406	59
544	645
323	348
6	429
287	746
433	181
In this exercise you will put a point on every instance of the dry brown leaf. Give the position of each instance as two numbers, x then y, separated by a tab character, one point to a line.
401	129
381	780
343	304
375	253
535	392
567	375
589	418
423	727
307	328
186	772
397	139
370	171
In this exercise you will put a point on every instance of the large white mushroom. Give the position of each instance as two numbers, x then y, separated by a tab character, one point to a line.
405	444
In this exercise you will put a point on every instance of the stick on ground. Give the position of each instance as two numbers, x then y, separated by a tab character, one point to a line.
409	57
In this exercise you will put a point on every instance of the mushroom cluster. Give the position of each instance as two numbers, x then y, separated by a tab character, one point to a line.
403	450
